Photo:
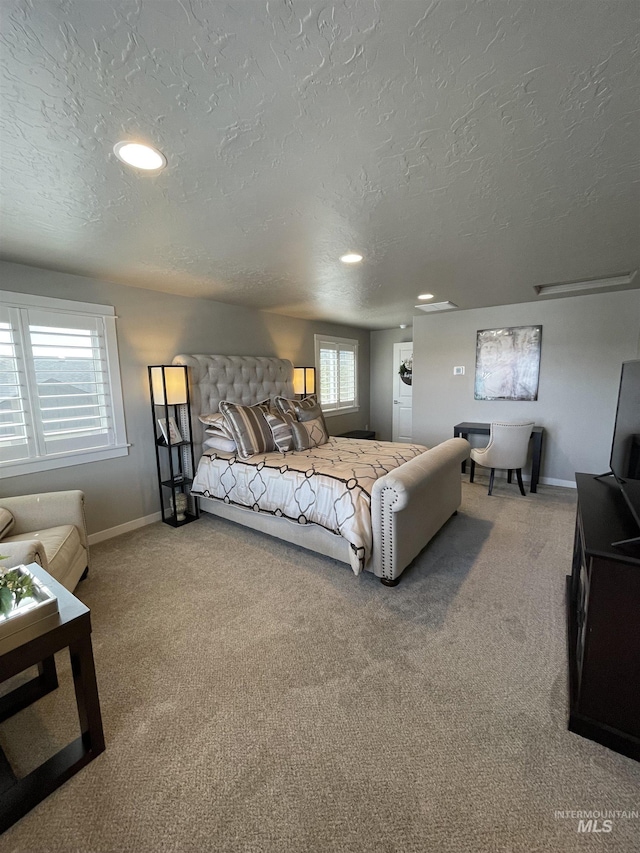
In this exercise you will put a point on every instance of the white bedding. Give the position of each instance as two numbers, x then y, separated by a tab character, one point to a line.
329	485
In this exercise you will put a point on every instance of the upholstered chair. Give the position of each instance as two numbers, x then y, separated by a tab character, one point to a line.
507	450
47	528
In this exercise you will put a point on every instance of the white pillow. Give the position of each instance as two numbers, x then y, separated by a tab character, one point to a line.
219	442
216	421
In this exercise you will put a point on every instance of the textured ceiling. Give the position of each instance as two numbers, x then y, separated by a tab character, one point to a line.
471	149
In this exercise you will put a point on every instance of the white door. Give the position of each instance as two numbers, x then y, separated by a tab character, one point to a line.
402	393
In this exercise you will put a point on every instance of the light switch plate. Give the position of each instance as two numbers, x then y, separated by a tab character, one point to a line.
458	371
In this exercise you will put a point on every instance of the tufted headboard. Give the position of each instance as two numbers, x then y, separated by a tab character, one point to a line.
242	379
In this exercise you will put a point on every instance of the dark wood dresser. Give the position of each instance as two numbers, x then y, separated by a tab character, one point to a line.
603	598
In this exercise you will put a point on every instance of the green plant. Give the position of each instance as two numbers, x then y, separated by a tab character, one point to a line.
14	586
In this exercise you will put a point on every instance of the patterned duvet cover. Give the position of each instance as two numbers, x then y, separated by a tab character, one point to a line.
328	485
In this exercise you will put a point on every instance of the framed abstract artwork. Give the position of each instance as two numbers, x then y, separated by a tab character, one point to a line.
508	363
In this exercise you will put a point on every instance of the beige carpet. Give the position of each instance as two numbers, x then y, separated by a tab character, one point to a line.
257	697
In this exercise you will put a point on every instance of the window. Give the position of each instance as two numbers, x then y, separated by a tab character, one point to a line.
337	364
60	393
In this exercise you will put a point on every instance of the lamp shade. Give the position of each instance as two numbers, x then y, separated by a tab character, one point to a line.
304	380
174	380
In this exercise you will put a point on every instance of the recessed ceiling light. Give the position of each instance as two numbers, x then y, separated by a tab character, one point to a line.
589	284
140	156
426	296
351	258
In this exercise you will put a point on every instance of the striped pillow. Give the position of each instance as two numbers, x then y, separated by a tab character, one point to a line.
280	426
308	434
294	407
249	428
6	522
306	409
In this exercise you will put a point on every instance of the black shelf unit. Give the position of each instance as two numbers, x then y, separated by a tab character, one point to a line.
175	460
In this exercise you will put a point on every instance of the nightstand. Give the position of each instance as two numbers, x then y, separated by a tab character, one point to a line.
367	434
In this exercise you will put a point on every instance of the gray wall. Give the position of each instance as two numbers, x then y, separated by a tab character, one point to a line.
584	341
152	328
382	378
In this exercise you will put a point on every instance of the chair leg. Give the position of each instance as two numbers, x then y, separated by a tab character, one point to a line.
509	473
519	476
472	471
493	471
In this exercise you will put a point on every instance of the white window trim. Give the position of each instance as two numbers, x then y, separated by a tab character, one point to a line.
347	410
332	413
76	457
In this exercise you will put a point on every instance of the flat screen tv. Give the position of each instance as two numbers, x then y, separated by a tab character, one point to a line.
625	447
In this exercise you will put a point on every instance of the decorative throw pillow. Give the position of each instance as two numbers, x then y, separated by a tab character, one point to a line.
310	413
280	426
6	522
293	407
307	409
249	428
215	421
283	405
219	442
308	434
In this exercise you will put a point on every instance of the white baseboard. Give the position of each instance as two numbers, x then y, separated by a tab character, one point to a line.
551	481
543	481
110	532
102	535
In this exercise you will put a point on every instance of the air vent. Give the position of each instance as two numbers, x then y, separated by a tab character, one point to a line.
436	306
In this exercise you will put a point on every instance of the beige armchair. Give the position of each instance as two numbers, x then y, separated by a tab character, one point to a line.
507	449
48	529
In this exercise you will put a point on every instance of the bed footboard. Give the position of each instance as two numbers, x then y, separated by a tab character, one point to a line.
411	503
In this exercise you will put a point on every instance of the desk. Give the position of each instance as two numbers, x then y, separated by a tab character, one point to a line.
466	428
35	646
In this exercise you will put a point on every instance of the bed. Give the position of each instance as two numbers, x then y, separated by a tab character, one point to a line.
373	505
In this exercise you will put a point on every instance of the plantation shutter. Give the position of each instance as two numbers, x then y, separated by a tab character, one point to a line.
60	395
16	438
347	375
69	380
329	375
337	365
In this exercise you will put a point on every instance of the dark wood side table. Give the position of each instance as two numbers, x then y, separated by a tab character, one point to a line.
35	646
367	434
464	429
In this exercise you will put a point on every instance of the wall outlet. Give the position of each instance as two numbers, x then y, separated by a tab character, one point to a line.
458	371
